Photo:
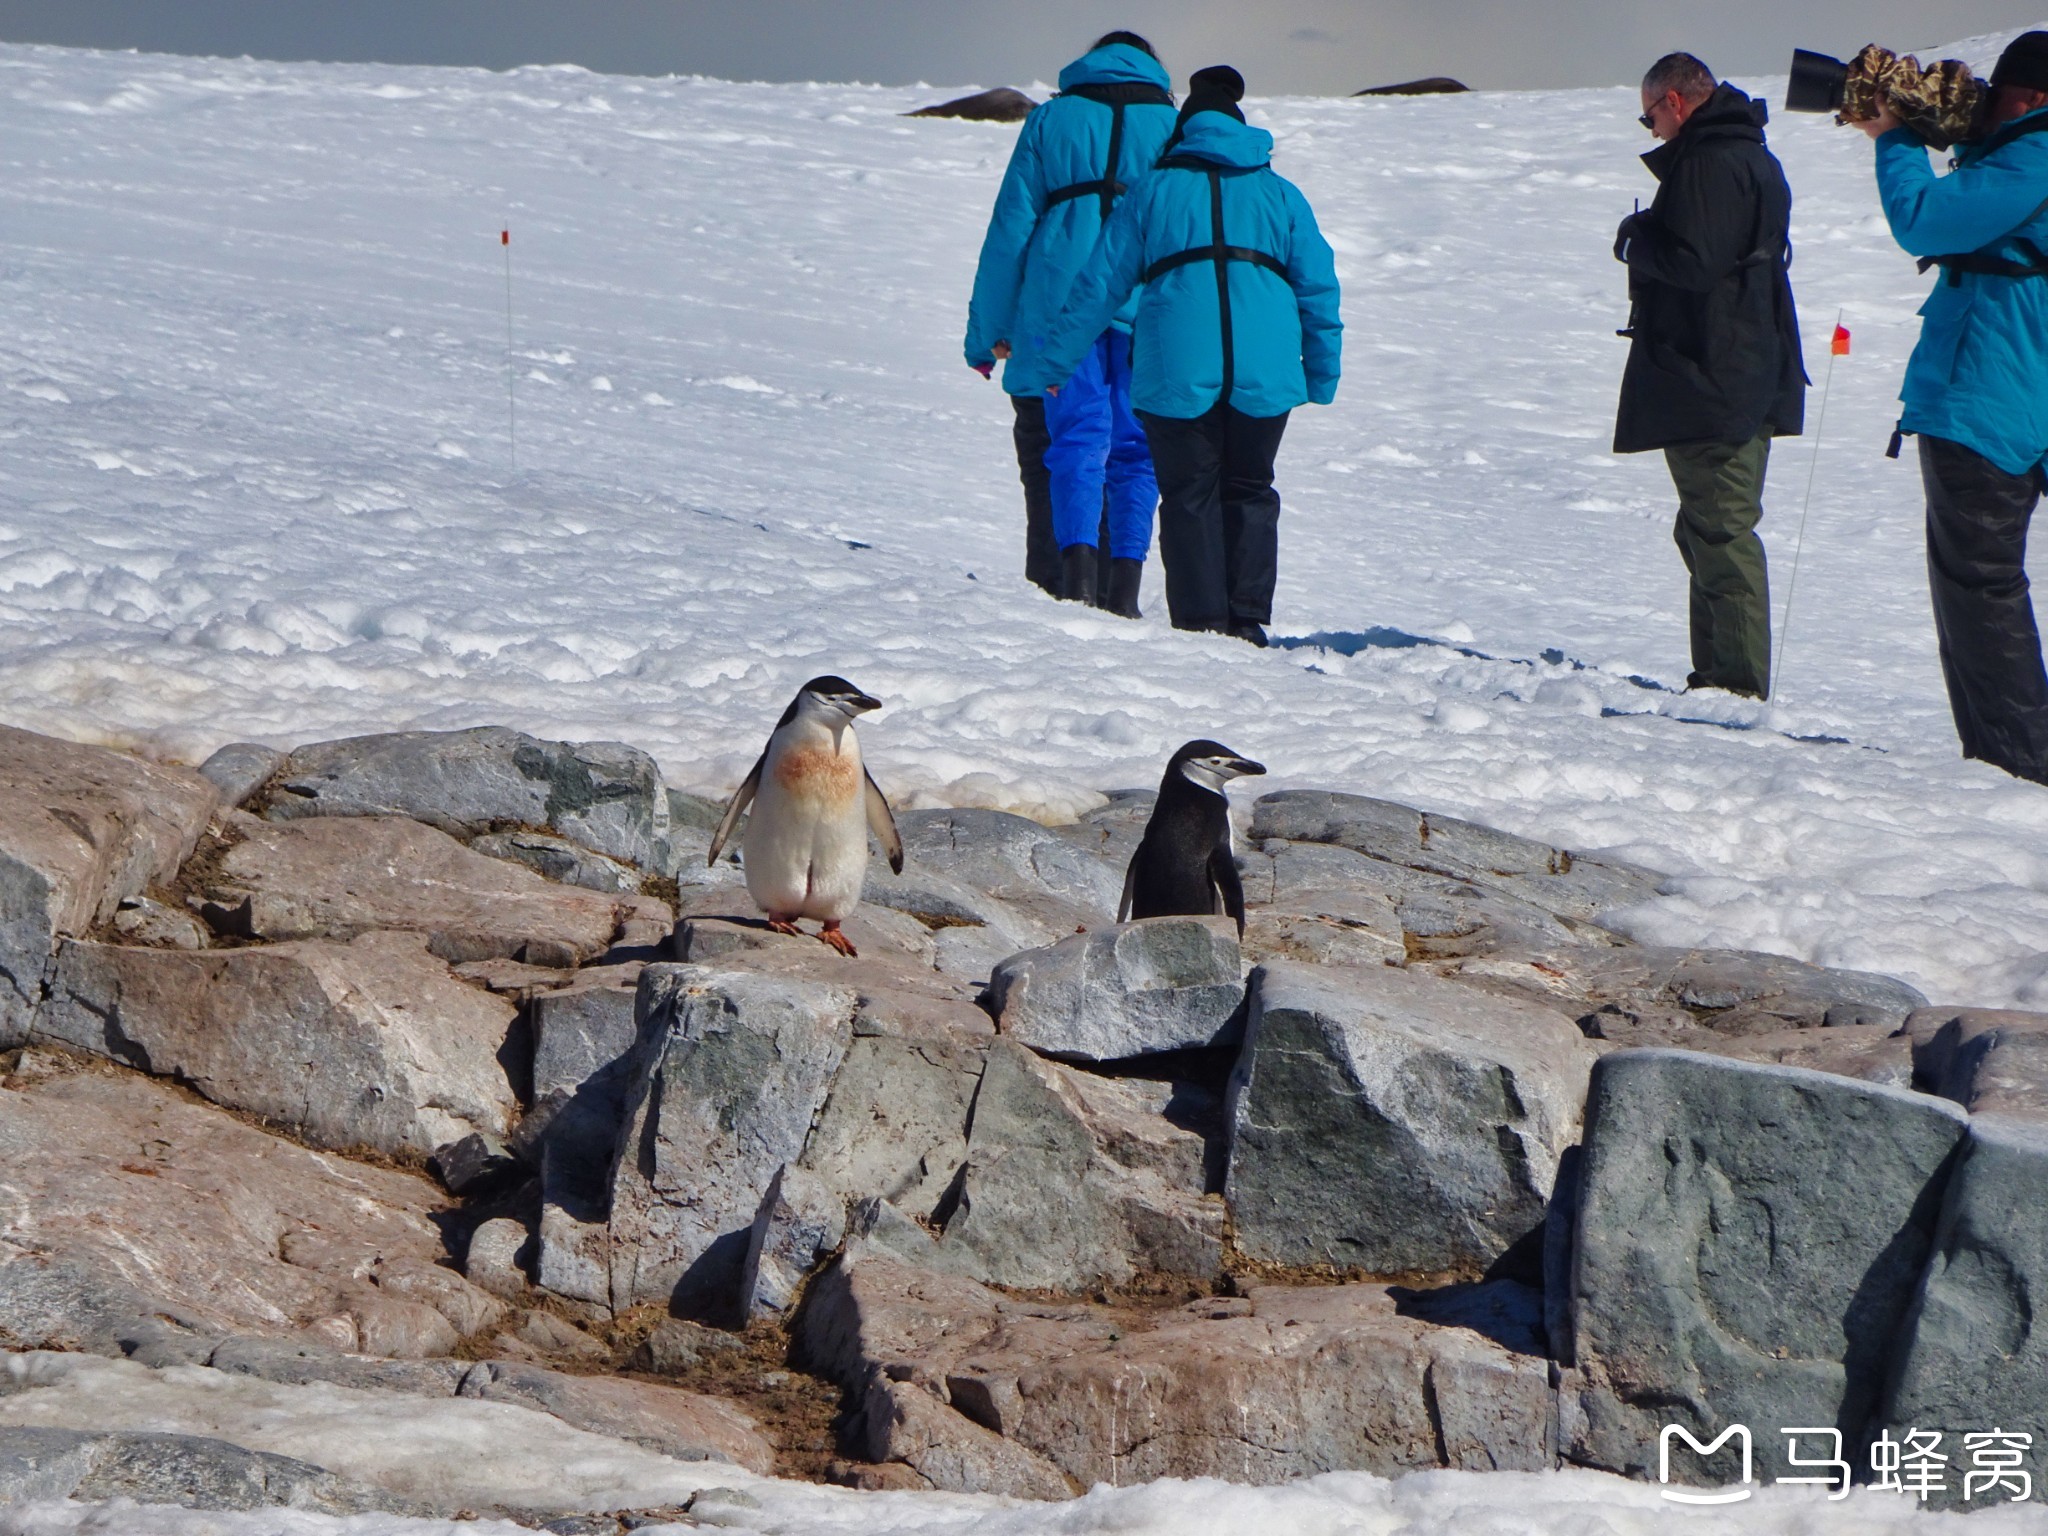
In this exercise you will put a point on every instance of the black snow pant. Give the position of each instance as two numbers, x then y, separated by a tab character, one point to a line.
1219	516
1042	566
1977	517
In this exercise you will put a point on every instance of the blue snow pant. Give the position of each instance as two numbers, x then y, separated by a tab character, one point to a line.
1097	441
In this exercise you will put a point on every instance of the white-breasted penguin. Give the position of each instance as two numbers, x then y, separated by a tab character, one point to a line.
806	844
1184	866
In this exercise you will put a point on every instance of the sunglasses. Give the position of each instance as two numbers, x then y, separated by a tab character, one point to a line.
1649	118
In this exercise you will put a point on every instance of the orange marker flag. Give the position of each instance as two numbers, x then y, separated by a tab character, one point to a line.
505	238
1841	342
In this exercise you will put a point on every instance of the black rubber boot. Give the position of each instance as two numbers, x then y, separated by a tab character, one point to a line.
1250	631
1077	565
1124	576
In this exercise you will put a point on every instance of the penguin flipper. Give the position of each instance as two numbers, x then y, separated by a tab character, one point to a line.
1223	872
741	799
1123	907
882	822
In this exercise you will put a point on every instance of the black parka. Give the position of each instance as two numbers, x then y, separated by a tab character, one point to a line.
1714	350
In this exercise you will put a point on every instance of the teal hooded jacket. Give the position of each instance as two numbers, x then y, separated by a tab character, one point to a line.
1035	245
1979	376
1270	322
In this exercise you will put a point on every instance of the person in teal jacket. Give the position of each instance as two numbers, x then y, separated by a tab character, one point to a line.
1073	159
1237	325
1976	394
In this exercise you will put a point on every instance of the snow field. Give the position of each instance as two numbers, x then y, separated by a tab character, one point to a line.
252	344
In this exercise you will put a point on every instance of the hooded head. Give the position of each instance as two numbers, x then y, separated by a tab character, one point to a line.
1218	88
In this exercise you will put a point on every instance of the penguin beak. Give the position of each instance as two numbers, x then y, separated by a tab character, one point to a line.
856	703
1244	767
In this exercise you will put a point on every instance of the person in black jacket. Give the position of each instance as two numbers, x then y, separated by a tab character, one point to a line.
1714	366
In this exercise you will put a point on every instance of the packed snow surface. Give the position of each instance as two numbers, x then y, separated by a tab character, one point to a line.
260	480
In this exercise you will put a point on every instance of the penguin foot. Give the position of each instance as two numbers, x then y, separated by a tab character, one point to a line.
783	925
831	935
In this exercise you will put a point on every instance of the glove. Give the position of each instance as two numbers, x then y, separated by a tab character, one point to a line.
986	370
1627	232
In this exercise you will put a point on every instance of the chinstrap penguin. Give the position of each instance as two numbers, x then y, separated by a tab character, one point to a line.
806	844
1184	866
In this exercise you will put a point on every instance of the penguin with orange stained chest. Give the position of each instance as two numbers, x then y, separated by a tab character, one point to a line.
806	845
1184	865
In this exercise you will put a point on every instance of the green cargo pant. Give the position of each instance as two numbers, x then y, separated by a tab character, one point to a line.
1720	499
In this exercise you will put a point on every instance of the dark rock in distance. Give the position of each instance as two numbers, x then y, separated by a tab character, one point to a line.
1001	105
1434	85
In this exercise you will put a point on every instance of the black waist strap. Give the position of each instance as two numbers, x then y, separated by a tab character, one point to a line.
1108	189
1978	264
1166	264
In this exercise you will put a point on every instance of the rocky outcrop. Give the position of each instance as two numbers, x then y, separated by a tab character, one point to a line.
130	1215
1748	1244
332	879
1283	1383
82	830
1987	1060
1162	984
732	1070
686	1425
369	1044
602	795
1072	1182
194	1471
1388	1122
1570	886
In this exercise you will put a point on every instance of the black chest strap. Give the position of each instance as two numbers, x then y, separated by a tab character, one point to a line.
1980	263
1220	251
1116	98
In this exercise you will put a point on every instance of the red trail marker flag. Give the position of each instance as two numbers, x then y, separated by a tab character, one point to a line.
1840	346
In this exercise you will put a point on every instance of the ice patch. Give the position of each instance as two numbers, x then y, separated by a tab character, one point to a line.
744	384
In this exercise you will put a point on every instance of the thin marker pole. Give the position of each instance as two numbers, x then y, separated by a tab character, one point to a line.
511	367
1837	344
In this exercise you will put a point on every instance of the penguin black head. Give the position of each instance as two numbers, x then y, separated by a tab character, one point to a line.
1210	765
830	696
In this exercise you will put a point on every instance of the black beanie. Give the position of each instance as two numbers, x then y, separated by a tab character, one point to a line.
1219	88
2024	63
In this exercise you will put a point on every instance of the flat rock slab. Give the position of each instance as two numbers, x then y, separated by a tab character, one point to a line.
369	1044
1283	1383
1388	1122
731	1071
82	829
1657	996
132	1212
686	1425
336	879
1570	885
191	1471
602	795
1988	1060
1026	866
239	769
1160	984
1748	1244
1974	1359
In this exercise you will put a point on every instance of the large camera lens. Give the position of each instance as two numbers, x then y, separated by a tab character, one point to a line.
1816	83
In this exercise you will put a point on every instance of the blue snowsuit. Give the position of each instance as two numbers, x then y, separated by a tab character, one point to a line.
1282	341
1047	219
1979	376
1976	393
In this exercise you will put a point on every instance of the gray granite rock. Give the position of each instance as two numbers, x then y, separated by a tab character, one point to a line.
157	926
894	1126
686	1425
583	1040
675	1347
1388	1122
500	1257
1569	885
1972	1358
1019	862
368	1044
800	1222
1161	984
731	1071
297	1362
239	770
603	795
334	879
474	1163
1988	1060
191	1471
1749	1241
907	1426
82	830
1073	1181
560	860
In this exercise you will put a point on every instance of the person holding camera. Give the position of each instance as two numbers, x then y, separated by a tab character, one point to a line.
1976	395
1714	366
